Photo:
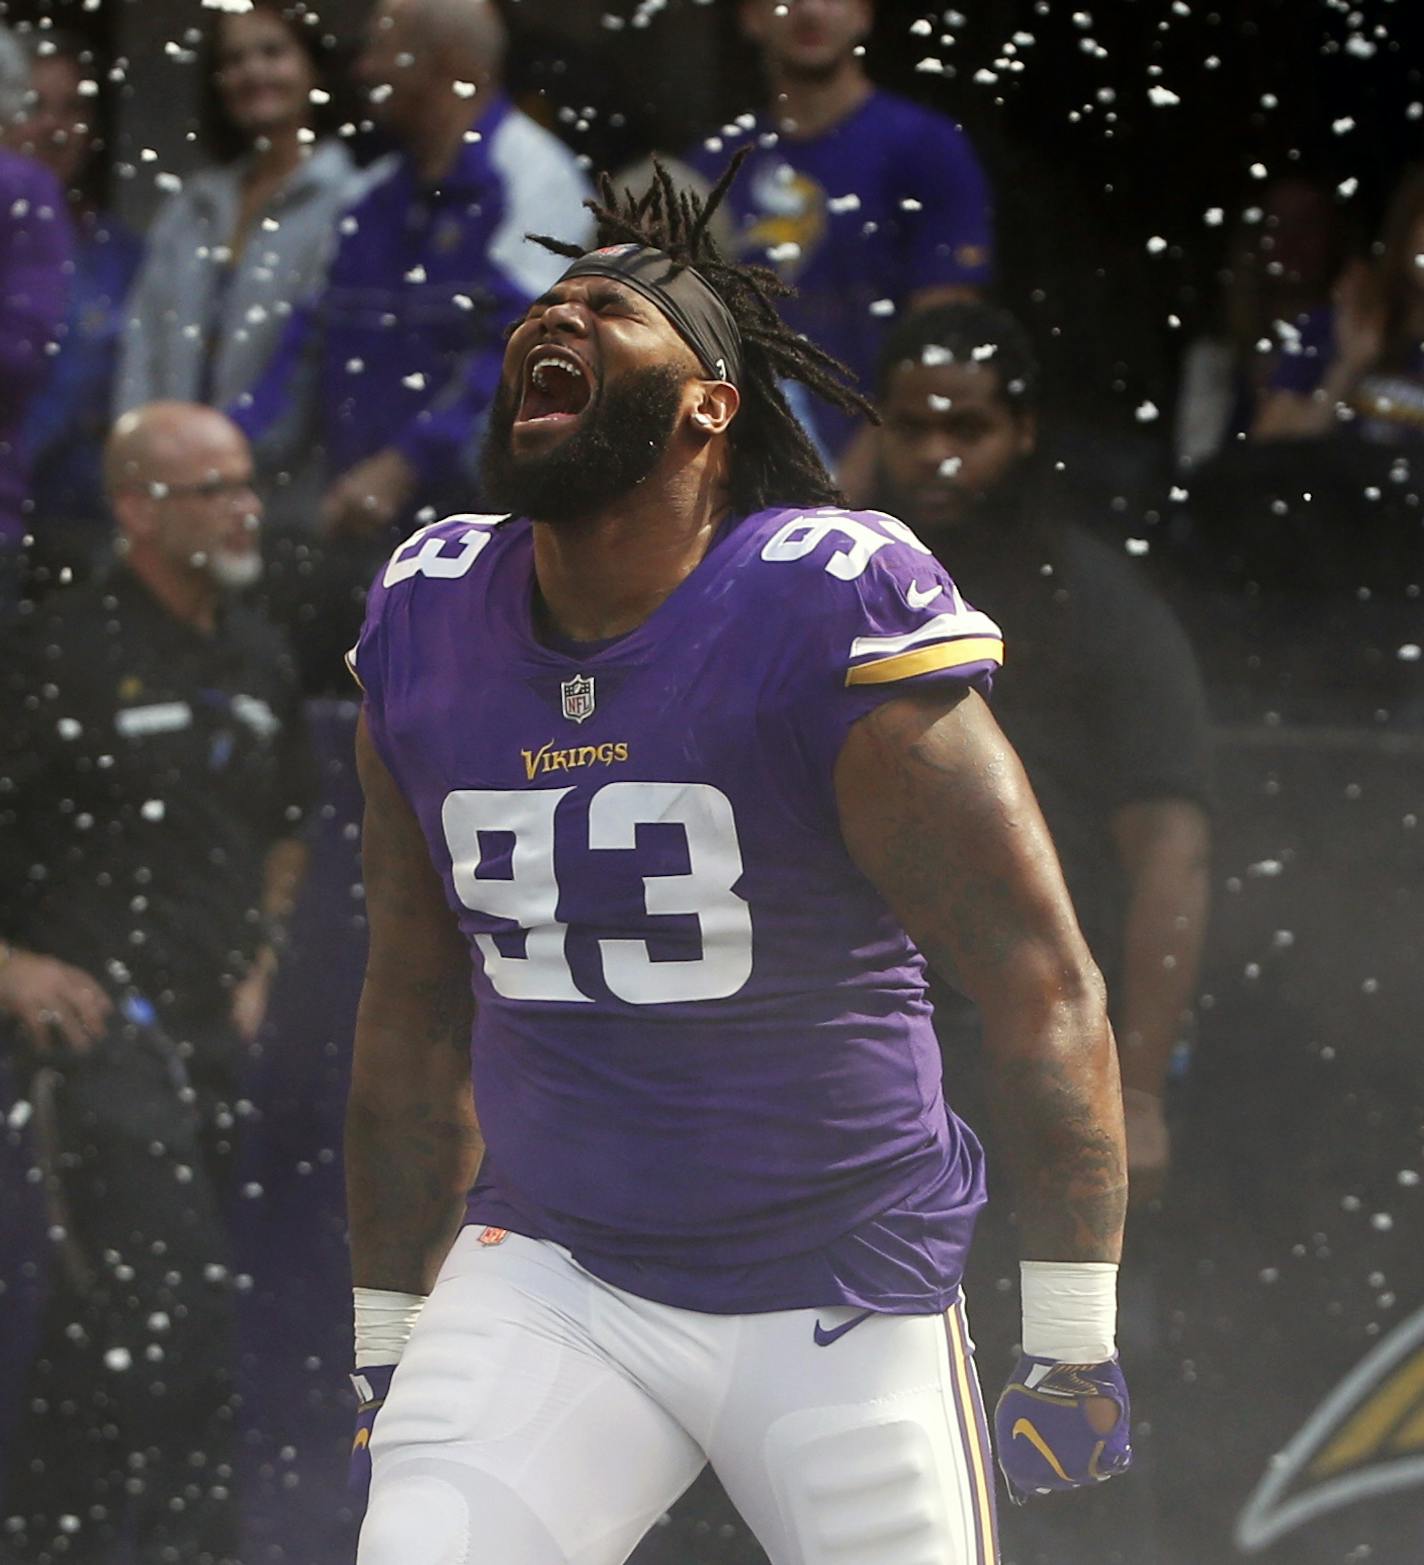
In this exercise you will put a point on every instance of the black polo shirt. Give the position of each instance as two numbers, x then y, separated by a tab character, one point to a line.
145	770
1100	693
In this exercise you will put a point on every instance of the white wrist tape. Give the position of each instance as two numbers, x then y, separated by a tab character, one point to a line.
384	1322
1069	1310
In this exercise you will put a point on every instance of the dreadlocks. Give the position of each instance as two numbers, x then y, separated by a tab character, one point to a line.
773	459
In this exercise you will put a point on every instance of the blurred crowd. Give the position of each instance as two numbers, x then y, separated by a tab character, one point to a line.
212	433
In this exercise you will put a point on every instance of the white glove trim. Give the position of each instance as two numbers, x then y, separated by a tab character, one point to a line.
1069	1310
384	1322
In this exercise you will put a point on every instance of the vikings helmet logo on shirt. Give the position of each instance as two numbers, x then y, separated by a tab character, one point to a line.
790	222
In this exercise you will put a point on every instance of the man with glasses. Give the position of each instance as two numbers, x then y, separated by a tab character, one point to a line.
154	775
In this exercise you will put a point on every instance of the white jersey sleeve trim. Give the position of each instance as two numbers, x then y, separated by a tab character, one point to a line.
943	627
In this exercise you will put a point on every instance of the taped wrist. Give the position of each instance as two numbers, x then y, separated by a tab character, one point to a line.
384	1322
1069	1310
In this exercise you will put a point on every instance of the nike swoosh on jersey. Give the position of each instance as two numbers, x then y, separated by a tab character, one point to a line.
921	597
1025	1428
825	1338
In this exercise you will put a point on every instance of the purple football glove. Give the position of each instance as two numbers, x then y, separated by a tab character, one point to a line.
1062	1426
371	1385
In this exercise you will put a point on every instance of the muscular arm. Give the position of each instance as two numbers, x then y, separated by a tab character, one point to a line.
937	812
412	1141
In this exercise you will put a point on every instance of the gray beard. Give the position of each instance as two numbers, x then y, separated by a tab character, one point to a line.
235	572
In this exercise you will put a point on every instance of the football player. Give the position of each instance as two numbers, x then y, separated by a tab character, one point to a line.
677	775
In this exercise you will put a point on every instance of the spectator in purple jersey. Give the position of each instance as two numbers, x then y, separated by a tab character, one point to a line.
36	250
868	203
67	423
677	775
1359	367
397	351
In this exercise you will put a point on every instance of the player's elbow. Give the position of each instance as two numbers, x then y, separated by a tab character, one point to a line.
1048	992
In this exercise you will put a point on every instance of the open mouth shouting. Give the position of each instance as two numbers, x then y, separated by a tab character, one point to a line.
557	389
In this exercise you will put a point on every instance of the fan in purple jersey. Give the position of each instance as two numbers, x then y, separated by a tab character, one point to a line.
678	775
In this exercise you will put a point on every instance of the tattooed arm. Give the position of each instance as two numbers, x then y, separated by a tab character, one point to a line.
937	812
412	1141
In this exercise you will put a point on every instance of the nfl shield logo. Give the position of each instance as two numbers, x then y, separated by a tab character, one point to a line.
578	697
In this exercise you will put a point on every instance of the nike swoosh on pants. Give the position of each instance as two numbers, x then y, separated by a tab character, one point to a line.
825	1338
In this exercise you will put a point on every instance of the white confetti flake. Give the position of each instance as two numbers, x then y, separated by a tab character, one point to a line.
922	28
1213	217
985	351
118	1359
1156	245
1347	187
69	728
1342	125
19	1115
465	89
415	382
950	466
1258	171
1162	97
1361	48
1265	869
153	809
1409	652
846	203
880	307
1146	412
780	254
1136	546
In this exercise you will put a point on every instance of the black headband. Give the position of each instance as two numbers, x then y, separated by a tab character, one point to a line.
702	320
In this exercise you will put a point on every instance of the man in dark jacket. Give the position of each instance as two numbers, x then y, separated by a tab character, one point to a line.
154	773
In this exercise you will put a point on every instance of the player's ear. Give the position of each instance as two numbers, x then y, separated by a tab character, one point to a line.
715	406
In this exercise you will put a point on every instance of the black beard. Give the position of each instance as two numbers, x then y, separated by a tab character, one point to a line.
621	438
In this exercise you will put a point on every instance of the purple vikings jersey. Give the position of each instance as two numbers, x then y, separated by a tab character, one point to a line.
703	1057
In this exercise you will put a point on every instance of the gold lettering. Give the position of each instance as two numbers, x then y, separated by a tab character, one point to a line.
536	761
546	759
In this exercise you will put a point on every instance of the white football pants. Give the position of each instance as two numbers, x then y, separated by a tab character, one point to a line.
541	1417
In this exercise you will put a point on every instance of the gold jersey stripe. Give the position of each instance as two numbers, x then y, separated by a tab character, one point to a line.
928	660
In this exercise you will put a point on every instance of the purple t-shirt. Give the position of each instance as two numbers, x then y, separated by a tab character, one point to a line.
859	218
703	1056
36	249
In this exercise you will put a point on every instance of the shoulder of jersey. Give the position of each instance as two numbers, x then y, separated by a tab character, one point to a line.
866	582
440	551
